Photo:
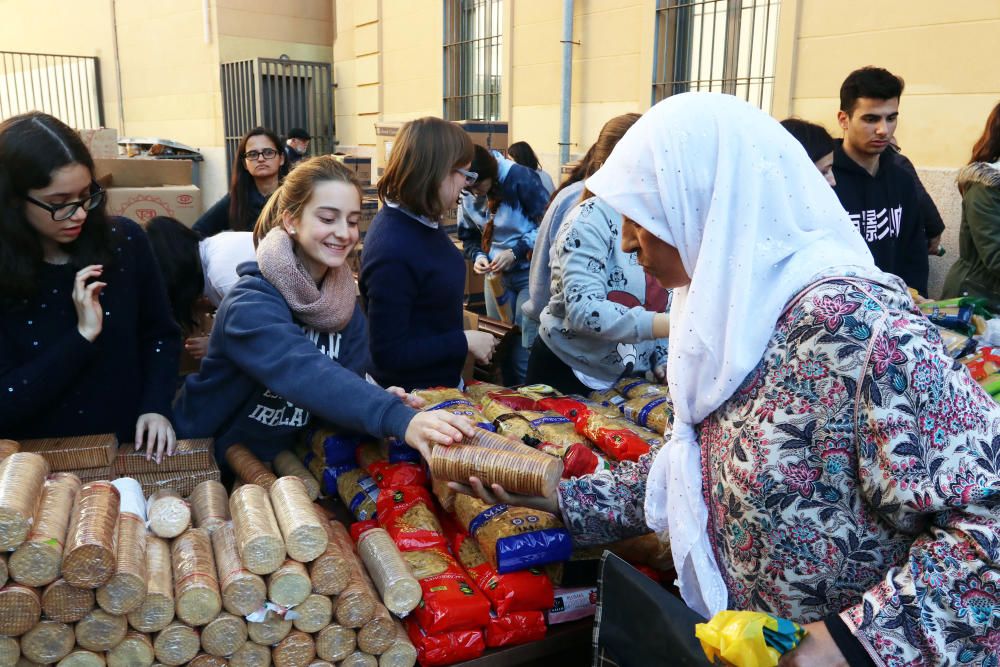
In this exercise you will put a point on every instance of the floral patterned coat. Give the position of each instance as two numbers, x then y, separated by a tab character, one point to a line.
856	472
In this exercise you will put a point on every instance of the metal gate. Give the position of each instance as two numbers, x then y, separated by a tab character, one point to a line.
278	94
68	87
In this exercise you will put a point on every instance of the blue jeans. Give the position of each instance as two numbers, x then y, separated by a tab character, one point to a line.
516	366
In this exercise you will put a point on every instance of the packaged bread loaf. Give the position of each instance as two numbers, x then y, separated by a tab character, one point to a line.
295	650
355	605
359	493
332	570
22	476
270	630
126	589
402	652
37	561
450	601
243	592
445	648
251	654
100	631
90	556
157	609
335	642
196	585
314	614
359	659
528	475
224	635
20	609
48	642
209	505
258	537
399	590
287	464
65	603
523	590
80	657
169	514
378	634
248	467
10	650
176	644
289	585
303	533
136	650
208	660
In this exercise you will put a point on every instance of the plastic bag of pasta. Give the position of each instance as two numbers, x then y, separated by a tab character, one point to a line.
524	590
656	413
521	627
373	456
476	390
359	492
446	648
450	600
406	514
455	402
334	446
640	388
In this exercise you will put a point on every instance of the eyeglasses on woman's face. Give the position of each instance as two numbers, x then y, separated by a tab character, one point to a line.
66	210
470	176
267	154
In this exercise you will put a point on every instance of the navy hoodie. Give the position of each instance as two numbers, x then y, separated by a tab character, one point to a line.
886	212
266	374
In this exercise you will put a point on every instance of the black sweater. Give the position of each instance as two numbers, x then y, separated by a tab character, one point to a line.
56	383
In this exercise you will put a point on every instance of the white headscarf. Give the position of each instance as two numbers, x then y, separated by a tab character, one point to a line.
754	222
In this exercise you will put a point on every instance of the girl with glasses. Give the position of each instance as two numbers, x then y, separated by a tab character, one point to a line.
257	171
87	342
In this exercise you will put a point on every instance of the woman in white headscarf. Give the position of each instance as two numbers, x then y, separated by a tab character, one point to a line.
827	461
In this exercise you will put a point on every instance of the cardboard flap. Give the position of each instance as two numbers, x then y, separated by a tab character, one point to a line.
142	173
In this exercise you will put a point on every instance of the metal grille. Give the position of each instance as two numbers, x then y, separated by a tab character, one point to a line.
473	39
278	94
725	46
67	87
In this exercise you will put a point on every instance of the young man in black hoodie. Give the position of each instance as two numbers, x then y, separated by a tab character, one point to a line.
879	195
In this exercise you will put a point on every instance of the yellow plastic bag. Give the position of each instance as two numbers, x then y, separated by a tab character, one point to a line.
747	638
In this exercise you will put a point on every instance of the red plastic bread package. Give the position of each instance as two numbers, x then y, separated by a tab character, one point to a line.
446	648
521	627
450	600
524	590
406	514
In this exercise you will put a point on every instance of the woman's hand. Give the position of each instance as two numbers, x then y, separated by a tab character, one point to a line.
661	325
481	345
496	496
503	261
436	427
196	346
481	265
86	300
660	373
412	400
157	433
818	648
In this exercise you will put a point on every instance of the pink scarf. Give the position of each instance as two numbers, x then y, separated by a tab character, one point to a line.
326	308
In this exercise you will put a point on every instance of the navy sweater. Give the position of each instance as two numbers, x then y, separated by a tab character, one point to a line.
265	374
216	219
413	282
56	383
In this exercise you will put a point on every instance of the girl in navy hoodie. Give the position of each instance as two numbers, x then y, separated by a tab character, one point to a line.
290	340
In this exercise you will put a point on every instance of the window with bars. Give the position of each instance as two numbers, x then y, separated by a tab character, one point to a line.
473	38
725	46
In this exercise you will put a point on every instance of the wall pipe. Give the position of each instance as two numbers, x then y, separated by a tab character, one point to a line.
567	81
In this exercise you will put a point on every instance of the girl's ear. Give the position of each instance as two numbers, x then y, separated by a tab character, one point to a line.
288	223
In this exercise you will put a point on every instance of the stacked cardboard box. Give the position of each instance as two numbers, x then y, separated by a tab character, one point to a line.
142	188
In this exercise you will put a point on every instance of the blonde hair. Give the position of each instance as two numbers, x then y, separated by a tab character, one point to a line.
610	135
297	189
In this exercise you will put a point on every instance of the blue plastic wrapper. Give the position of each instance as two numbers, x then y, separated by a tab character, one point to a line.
519	538
336	447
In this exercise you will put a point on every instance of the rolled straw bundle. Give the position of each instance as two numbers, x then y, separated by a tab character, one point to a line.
20	609
47	642
8	447
169	514
82	658
398	588
206	660
126	590
100	631
21	478
210	505
270	631
248	467
303	532
90	558
359	659
332	570
335	642
251	654
10	650
196	586
224	635
402	653
289	585
136	650
243	592
65	603
287	464
176	644
38	559
157	609
517	473
258	538
296	650
378	634
314	614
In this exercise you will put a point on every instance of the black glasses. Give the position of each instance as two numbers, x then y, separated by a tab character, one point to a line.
67	210
267	154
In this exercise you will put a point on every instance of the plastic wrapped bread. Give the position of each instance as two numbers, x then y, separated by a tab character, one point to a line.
243	592
269	631
289	585
20	609
516	473
258	537
38	560
314	614
296	649
196	585
355	605
176	644
331	572
335	642
100	631
126	589
248	467
304	535
169	514
209	505
378	634
402	653
136	650
400	591
287	464
251	654
65	603
22	476
90	556
48	642
157	609
224	635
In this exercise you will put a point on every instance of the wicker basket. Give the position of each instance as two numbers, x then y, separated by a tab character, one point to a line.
188	455
68	454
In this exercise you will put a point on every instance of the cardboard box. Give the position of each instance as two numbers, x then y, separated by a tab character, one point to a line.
385	135
361	166
489	134
143	172
141	189
102	143
369	207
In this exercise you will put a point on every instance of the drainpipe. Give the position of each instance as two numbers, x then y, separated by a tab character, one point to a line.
567	81
118	68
